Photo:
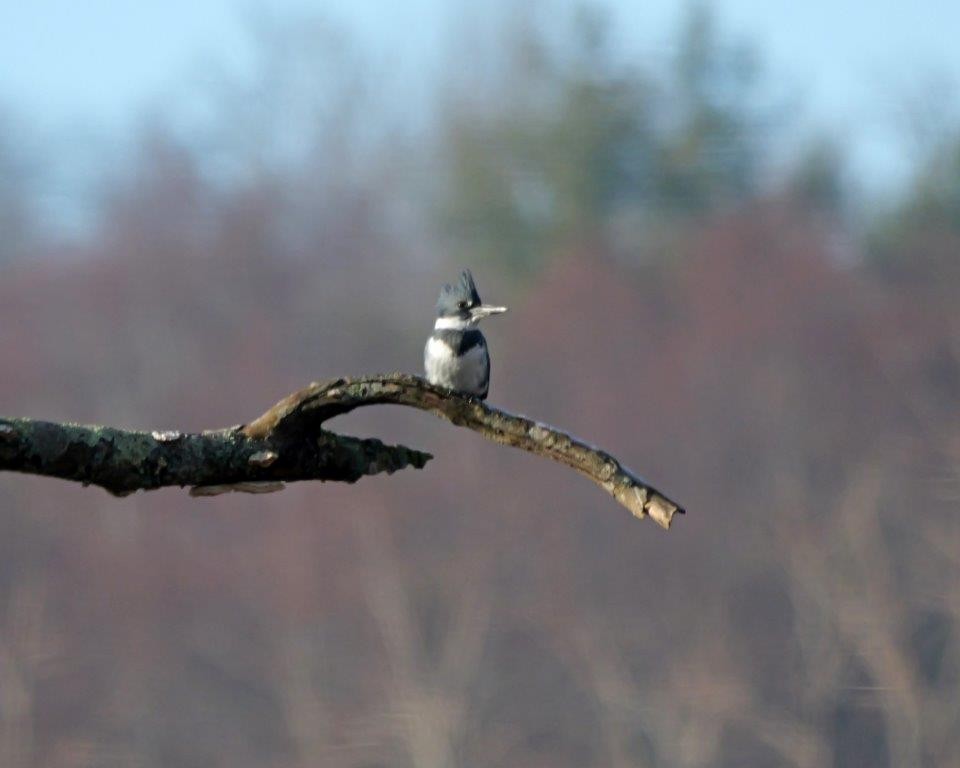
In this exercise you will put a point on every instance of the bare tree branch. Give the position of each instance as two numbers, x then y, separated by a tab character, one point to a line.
289	443
321	401
123	461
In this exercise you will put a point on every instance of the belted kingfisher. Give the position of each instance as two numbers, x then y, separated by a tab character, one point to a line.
456	352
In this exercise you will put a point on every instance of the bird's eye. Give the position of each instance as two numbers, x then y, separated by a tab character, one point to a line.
462	305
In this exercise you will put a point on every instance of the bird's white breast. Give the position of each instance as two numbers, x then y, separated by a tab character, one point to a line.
467	373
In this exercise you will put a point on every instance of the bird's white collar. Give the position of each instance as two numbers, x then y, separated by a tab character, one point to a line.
452	324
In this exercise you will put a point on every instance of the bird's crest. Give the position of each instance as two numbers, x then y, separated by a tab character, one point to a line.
464	290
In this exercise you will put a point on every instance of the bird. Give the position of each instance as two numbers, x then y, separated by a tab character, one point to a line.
456	353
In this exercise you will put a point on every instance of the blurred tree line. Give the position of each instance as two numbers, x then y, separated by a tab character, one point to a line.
571	143
578	146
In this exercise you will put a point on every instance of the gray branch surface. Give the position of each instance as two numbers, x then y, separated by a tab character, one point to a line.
288	443
323	400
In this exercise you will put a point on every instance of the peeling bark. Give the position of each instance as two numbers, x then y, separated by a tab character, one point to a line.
289	443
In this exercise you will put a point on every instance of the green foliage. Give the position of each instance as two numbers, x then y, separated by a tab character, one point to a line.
575	139
817	179
17	178
920	237
936	198
709	152
546	170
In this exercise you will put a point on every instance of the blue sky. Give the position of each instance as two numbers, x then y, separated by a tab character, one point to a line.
98	64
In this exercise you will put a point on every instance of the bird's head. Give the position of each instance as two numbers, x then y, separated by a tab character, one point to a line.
459	305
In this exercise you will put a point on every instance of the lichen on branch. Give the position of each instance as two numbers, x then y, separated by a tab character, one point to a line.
124	461
289	442
321	401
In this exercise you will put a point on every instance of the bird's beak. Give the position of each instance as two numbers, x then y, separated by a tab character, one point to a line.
485	310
